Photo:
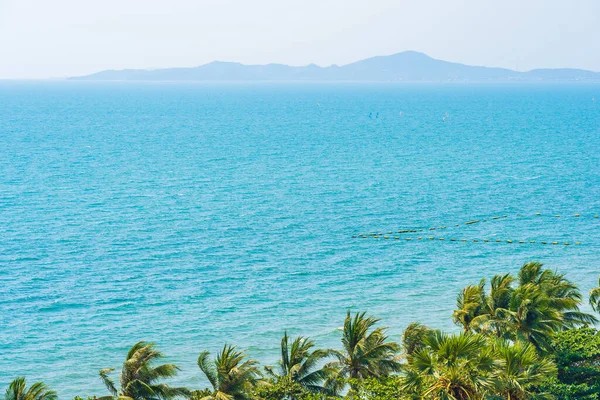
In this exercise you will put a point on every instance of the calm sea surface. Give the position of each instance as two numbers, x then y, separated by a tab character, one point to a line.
195	215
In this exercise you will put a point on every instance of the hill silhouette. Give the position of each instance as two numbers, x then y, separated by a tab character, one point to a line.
408	66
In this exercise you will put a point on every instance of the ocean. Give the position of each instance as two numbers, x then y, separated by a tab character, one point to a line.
195	215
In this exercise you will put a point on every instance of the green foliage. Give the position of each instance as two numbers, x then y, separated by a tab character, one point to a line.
562	295
496	309
520	371
200	394
140	379
472	366
414	336
231	375
531	318
577	345
388	388
577	356
366	353
17	390
470	304
563	391
284	388
542	304
457	367
300	364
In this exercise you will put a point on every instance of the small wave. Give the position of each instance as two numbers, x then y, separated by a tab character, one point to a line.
20	259
56	306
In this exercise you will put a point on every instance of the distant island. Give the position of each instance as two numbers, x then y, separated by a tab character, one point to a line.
408	66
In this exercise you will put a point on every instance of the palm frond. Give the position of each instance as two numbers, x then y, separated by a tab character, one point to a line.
39	391
209	369
109	383
16	389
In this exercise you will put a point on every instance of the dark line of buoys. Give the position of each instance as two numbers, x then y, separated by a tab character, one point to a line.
475	221
390	234
508	241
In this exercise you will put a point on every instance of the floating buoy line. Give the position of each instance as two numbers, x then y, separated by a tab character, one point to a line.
452	239
396	235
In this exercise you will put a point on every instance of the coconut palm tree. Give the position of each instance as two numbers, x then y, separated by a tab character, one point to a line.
470	304
367	352
140	379
414	336
542	304
520	371
300	364
563	295
457	367
532	318
493	318
484	313
595	297
230	375
17	390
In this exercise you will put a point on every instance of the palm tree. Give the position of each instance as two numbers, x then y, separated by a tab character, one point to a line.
17	390
520	371
493	319
484	313
457	367
230	376
542	304
470	304
414	336
367	352
563	295
532	318
595	297
299	364
139	379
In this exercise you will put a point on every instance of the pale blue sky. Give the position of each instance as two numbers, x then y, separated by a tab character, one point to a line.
57	38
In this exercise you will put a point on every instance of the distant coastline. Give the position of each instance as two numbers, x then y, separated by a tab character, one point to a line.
408	66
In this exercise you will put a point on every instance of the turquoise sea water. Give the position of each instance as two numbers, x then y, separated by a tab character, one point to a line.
198	214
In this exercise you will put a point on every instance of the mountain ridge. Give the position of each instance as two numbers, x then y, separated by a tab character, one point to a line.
407	66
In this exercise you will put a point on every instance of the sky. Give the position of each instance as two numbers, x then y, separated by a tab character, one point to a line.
59	38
